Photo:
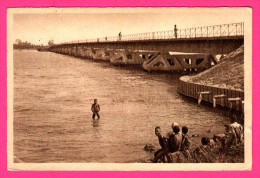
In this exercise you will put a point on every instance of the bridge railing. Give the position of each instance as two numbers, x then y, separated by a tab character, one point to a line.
224	30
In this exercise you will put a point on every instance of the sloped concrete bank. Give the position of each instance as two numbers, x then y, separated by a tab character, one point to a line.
223	97
221	85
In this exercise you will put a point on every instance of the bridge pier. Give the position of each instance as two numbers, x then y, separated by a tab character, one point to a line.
86	52
101	54
179	62
79	51
83	52
130	57
62	50
74	51
70	51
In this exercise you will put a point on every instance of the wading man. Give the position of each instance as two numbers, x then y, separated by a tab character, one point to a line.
95	108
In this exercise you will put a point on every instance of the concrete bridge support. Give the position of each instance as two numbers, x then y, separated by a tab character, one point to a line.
64	50
83	52
67	51
127	57
61	50
179	62
80	51
101	54
74	51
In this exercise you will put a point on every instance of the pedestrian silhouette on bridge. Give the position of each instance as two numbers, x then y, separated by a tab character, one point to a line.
119	35
175	31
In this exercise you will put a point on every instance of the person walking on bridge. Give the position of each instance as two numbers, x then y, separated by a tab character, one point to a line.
175	31
119	36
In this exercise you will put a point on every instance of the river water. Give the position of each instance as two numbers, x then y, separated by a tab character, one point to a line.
53	94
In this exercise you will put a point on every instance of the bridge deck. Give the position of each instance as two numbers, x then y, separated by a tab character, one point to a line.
239	37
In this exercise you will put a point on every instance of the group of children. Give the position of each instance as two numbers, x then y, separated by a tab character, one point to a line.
178	143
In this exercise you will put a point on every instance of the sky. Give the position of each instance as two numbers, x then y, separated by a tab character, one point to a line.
64	25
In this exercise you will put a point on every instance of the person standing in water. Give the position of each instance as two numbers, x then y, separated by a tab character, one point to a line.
95	108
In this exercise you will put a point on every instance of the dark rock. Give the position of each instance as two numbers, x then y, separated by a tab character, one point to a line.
149	147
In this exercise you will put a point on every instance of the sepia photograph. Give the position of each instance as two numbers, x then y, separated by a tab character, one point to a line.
129	88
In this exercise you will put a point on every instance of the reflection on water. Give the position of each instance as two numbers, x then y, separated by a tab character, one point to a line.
95	123
52	110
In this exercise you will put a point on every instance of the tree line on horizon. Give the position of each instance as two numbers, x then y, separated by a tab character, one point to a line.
19	44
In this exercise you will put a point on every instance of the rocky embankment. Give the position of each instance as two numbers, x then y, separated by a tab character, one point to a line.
205	154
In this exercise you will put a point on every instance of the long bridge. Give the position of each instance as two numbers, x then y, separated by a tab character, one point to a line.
208	41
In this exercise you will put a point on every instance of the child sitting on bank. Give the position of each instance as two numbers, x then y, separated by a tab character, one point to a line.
237	130
163	144
186	142
203	153
95	108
